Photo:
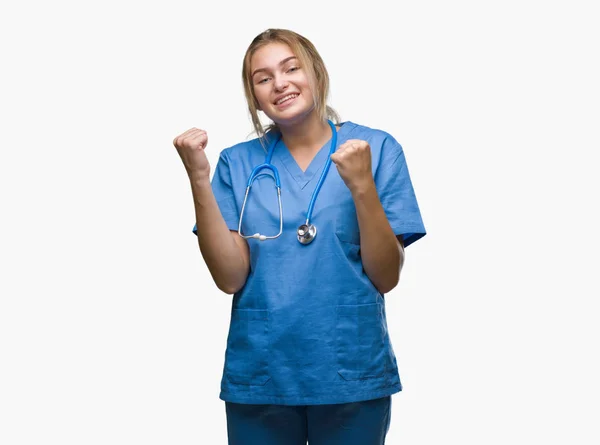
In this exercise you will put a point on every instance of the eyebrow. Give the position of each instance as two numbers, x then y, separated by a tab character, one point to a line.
283	62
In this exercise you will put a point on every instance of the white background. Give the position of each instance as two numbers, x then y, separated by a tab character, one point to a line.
111	330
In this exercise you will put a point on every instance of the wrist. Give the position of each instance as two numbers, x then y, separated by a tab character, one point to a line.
363	189
199	180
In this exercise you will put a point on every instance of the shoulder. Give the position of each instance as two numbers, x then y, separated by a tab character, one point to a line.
242	149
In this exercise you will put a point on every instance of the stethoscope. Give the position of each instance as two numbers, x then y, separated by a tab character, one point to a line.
307	231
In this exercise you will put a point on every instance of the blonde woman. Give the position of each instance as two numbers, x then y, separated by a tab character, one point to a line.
306	226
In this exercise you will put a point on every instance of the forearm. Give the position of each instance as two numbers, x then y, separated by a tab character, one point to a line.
224	258
381	254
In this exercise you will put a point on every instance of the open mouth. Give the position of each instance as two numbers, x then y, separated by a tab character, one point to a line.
286	99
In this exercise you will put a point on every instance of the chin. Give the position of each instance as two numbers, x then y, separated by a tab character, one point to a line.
290	117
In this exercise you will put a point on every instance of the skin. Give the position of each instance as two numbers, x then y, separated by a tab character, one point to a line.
225	252
276	73
301	129
381	252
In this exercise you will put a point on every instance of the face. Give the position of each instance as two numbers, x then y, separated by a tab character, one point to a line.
281	84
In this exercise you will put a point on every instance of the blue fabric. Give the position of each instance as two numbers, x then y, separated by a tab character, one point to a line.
309	327
359	423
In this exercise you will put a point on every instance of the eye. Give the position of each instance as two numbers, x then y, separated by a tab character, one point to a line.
263	80
293	68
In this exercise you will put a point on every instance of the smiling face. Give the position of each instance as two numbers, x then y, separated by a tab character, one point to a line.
280	84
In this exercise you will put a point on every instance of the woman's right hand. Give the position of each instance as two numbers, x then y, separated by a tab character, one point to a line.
190	145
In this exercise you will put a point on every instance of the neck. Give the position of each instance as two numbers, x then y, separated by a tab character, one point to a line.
305	135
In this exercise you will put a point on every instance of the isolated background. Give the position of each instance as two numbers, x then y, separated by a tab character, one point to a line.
111	330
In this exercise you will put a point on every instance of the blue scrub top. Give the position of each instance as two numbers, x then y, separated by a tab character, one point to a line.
309	327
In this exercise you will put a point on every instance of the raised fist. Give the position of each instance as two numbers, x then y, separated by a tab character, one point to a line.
190	145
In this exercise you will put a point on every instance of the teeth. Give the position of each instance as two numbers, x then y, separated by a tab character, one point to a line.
283	99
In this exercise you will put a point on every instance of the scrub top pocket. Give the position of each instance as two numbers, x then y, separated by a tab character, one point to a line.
246	359
348	233
360	333
346	222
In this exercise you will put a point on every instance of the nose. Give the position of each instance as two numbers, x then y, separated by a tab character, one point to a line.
280	83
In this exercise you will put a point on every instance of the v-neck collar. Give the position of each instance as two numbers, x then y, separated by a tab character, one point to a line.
315	166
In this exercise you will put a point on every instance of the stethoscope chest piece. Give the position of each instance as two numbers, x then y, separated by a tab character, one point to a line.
306	233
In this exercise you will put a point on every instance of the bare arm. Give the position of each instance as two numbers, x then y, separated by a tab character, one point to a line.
225	252
381	251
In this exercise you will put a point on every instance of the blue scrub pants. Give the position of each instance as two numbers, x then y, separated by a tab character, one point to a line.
359	423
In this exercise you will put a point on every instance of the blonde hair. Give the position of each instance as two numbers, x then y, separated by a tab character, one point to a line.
309	59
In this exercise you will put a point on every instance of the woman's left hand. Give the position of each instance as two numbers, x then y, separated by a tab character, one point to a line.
353	161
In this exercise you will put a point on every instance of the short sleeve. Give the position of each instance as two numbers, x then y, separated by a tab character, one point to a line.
396	193
223	191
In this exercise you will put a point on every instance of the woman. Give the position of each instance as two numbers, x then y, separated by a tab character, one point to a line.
308	354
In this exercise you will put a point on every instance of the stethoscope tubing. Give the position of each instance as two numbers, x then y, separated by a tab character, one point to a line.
267	165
